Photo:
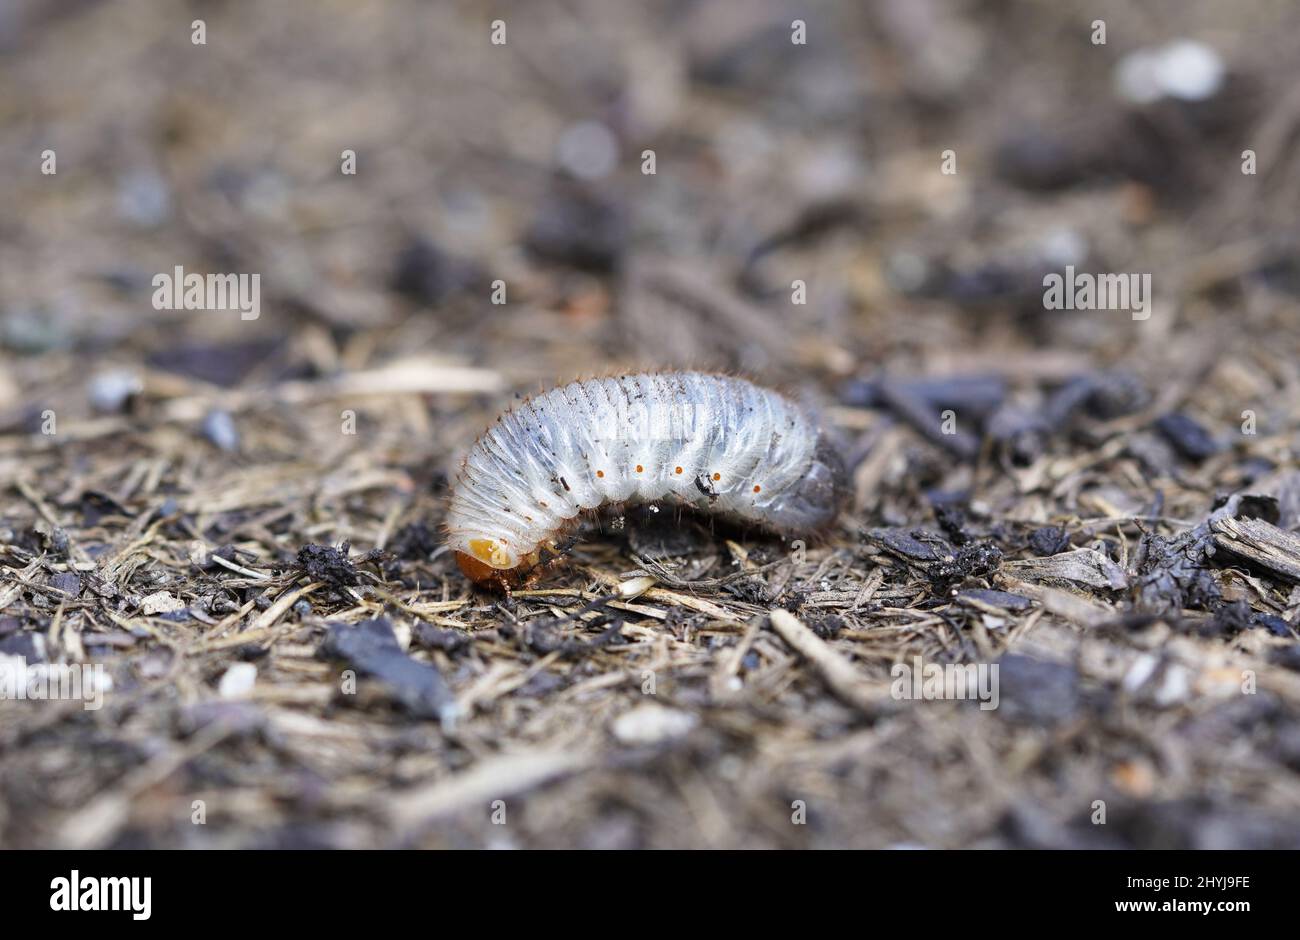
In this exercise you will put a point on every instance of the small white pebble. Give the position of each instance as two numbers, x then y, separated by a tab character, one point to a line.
1184	69
652	724
730	767
143	198
1139	672
1191	71
109	391
635	587
588	150
161	603
1136	78
1175	687
219	428
238	681
1062	246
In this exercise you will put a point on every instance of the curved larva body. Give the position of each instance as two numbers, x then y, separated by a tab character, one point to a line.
711	442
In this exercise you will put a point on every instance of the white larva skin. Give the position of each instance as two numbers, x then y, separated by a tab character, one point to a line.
713	442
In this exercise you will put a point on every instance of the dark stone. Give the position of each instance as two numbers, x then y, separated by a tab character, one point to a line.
1002	599
828	628
578	228
1049	540
952	520
27	645
415	542
440	638
427	274
67	582
225	365
372	649
1173	575
1189	437
328	564
1035	691
1274	625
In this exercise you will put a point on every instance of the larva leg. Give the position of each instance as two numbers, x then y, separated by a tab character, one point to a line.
545	568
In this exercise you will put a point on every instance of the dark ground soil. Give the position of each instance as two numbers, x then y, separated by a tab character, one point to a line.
1113	522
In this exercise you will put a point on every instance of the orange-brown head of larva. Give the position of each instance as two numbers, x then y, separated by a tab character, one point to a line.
491	561
483	558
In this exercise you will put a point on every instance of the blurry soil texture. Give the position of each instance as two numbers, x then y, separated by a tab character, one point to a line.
237	520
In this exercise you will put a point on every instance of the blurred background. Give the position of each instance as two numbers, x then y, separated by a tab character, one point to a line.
524	163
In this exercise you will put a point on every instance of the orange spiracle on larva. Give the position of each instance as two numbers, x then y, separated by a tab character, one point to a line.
708	442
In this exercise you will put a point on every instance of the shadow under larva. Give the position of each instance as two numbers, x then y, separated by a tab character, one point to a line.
713	443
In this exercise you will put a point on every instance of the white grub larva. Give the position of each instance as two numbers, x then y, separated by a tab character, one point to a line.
709	442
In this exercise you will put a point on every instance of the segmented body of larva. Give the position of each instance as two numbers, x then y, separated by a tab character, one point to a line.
710	442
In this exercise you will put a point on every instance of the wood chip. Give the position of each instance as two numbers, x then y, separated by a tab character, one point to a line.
1260	542
837	672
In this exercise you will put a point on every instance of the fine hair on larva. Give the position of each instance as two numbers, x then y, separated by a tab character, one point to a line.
714	443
